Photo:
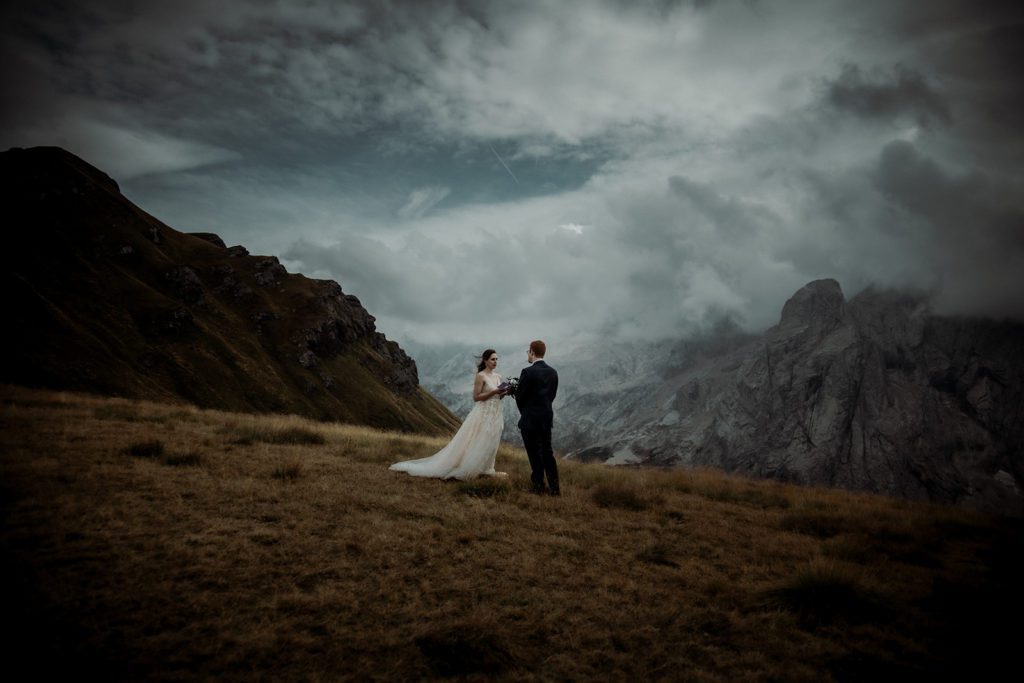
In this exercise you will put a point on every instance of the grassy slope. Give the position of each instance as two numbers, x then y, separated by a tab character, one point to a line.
100	302
161	541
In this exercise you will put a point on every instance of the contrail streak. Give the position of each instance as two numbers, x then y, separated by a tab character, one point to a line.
506	166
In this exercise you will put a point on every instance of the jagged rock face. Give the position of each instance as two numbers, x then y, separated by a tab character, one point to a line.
601	385
105	298
874	394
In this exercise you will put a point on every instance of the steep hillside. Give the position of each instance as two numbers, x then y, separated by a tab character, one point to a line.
102	297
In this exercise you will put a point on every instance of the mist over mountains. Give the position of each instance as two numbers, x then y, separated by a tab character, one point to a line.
877	393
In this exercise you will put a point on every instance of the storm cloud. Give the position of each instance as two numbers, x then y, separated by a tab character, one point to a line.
710	157
903	93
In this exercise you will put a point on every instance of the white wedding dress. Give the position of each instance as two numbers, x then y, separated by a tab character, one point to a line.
471	451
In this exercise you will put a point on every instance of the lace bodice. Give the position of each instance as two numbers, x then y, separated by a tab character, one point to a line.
493	404
491	382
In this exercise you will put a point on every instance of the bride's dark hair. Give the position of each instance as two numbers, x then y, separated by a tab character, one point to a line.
483	359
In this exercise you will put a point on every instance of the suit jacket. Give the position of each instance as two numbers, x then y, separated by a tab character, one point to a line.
538	385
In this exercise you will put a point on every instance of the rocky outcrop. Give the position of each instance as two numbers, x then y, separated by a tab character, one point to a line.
875	394
105	298
211	238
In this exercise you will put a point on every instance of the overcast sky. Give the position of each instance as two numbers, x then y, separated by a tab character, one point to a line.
478	171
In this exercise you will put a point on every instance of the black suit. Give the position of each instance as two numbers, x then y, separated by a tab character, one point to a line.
538	385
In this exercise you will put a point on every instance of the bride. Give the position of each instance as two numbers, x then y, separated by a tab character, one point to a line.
472	450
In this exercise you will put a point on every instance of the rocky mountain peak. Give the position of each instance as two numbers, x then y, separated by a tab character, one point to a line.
54	168
879	394
819	303
210	237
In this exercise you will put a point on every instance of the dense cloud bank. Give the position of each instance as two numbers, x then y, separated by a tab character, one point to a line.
511	170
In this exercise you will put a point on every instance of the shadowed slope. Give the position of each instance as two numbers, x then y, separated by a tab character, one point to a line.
105	298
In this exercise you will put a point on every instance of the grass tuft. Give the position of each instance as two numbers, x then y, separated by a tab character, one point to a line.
813	523
190	459
299	436
465	651
126	414
115	412
712	485
855	548
617	495
824	593
287	472
146	449
869	548
752	496
658	553
484	488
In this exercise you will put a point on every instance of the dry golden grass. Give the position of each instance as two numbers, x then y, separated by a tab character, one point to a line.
279	548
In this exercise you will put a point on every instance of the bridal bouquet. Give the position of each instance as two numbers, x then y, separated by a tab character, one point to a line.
509	386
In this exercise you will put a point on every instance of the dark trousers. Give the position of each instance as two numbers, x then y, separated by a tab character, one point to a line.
537	441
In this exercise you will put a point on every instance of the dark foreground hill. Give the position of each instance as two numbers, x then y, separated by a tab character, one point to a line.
100	296
149	542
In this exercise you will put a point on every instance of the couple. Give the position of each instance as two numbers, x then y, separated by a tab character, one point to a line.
471	451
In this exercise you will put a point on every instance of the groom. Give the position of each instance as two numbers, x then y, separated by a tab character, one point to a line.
537	387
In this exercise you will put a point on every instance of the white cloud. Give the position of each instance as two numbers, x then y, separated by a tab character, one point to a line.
124	153
722	176
643	269
421	201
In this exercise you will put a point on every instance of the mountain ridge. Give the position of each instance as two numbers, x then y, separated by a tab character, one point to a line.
111	300
873	394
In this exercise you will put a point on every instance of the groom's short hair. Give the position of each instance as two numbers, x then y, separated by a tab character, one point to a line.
539	348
